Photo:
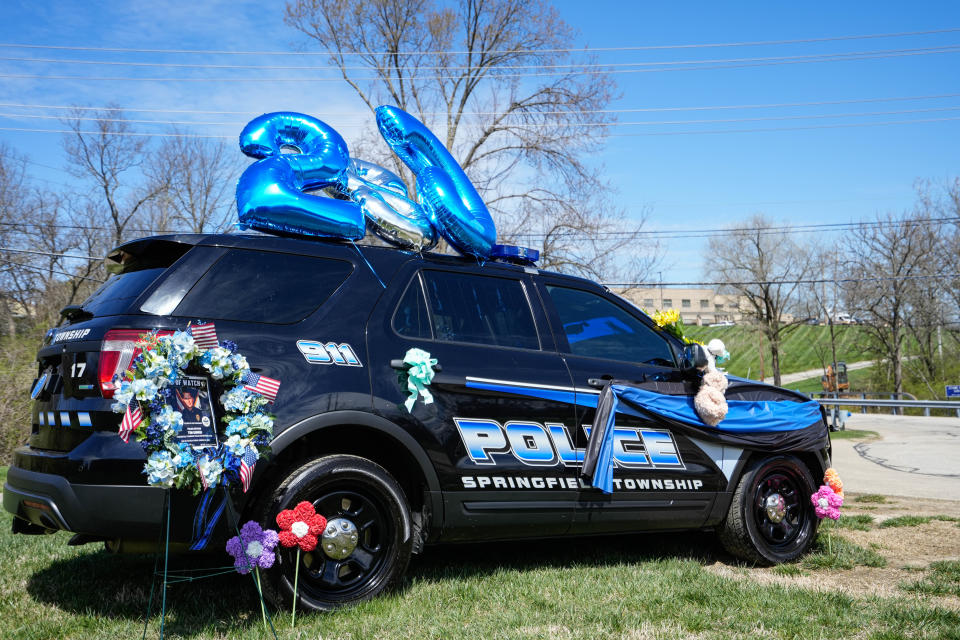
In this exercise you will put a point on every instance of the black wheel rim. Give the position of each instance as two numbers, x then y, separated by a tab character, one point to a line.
326	579
789	486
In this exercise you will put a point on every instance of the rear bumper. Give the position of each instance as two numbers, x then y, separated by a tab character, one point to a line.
111	511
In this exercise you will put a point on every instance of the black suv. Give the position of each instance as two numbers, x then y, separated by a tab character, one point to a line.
497	454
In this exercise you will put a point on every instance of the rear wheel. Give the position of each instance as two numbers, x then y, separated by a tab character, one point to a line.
367	543
771	519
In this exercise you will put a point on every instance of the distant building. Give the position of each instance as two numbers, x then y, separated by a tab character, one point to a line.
696	306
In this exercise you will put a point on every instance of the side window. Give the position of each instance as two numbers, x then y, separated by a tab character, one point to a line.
411	318
256	286
480	309
598	328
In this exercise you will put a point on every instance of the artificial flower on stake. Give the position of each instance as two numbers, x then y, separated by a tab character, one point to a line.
419	376
828	499
254	549
300	527
832	478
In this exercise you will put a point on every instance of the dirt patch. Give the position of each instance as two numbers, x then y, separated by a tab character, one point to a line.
897	506
907	550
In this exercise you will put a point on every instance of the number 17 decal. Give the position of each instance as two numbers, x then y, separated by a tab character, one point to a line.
328	353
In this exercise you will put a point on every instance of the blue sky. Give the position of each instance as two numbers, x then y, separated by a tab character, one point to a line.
690	181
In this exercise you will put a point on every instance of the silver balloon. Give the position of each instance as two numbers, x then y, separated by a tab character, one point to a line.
382	197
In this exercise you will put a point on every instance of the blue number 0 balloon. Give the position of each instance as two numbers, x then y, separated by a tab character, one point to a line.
297	153
444	189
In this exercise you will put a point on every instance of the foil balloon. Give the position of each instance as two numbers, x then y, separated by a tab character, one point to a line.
382	196
297	154
454	206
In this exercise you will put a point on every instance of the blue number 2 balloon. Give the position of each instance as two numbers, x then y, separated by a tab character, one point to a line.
445	191
297	153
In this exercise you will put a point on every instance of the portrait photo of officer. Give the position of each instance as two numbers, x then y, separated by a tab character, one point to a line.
192	400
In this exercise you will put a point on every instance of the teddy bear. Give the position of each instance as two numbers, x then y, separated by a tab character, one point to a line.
710	402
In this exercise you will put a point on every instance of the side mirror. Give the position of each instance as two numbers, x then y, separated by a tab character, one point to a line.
694	357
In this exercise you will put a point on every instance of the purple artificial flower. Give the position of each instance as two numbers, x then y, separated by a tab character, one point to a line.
254	547
827	503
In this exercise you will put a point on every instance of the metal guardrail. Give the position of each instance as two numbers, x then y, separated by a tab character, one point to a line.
894	404
893	395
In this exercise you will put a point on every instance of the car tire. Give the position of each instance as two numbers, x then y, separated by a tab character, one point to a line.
781	533
341	488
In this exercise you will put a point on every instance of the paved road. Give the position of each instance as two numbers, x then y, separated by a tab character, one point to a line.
790	378
914	456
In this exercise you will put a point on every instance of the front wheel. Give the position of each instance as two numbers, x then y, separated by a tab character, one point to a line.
771	519
366	545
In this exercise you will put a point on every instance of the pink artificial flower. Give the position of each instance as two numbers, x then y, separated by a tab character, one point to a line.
827	503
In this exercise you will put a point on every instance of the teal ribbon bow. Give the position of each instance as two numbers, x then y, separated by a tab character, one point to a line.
419	376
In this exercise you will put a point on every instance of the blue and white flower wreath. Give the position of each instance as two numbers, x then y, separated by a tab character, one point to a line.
144	396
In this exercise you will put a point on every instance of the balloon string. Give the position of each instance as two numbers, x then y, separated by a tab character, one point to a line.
372	270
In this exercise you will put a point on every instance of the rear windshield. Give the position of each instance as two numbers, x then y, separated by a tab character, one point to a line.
119	291
258	286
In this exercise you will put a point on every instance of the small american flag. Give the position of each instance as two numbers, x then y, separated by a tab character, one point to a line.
247	463
267	387
131	420
205	335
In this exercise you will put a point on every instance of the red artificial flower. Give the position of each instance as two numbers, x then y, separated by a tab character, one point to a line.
301	526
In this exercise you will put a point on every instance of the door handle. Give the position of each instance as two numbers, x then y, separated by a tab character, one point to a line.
400	365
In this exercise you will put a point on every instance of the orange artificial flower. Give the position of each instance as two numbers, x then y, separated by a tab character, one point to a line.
832	478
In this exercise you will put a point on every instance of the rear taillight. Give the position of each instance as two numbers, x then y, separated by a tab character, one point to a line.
117	352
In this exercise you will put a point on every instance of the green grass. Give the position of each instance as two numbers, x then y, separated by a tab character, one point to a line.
859	522
942	579
913	521
620	587
873	498
832	551
853	434
3	476
798	348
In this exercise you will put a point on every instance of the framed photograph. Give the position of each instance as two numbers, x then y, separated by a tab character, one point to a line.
191	397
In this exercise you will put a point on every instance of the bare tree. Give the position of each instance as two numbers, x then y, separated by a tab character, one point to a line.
887	259
763	266
104	151
522	140
13	202
199	176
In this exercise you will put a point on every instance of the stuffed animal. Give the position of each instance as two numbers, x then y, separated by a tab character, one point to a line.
710	402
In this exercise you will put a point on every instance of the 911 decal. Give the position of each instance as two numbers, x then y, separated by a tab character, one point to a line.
328	353
540	445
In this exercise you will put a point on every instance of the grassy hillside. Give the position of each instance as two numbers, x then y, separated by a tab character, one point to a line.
799	349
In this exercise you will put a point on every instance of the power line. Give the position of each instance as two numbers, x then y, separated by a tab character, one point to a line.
774	129
548	124
49	254
496	113
46	270
608	66
777	282
532	125
900	34
670	234
611	135
661	233
693	66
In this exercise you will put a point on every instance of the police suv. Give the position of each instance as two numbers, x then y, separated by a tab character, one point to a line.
522	353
